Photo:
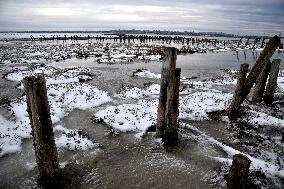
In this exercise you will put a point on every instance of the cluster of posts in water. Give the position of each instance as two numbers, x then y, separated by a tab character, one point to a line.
257	77
199	42
130	38
167	118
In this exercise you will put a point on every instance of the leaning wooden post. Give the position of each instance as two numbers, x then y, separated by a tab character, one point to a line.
260	84
43	137
261	62
272	82
169	63
238	175
236	103
170	136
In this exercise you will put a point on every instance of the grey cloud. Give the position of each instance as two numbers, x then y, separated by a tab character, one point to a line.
233	16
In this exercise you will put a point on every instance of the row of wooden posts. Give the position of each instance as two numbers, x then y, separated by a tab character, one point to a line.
148	38
263	76
167	115
263	90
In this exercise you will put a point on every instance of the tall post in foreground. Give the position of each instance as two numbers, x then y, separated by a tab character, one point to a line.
272	82
169	64
238	175
170	136
236	103
43	137
167	125
260	84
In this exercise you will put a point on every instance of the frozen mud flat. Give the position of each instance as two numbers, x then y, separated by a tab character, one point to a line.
101	130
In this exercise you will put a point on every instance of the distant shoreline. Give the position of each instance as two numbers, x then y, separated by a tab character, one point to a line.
144	32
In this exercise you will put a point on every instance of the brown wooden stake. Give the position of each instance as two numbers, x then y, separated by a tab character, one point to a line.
170	136
43	137
169	64
238	175
272	82
236	103
262	61
260	84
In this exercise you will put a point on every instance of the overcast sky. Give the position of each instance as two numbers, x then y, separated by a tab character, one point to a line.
231	16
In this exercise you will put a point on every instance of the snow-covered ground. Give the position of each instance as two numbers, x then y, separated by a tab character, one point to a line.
134	109
195	106
65	93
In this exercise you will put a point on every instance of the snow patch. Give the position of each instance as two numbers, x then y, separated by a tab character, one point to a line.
196	106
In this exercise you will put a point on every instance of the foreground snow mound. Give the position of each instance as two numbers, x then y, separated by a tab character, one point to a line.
140	116
131	117
10	139
196	106
66	97
72	140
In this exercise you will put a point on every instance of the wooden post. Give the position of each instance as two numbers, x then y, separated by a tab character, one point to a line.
236	103
238	175
261	62
248	83
272	82
169	64
260	84
43	137
170	136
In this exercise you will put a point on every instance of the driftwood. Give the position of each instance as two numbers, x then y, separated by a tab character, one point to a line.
42	131
272	82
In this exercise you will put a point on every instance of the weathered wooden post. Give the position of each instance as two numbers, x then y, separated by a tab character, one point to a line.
169	64
238	175
260	84
236	103
167	124
170	136
261	63
43	137
272	82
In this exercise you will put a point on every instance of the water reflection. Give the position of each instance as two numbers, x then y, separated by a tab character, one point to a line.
198	64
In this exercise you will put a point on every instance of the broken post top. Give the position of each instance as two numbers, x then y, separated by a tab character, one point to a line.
38	78
170	57
241	159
